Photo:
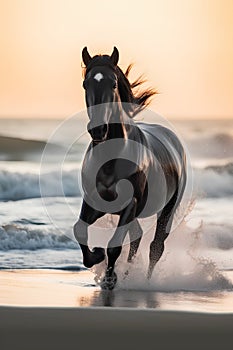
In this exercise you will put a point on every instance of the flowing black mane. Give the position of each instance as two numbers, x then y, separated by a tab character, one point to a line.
134	102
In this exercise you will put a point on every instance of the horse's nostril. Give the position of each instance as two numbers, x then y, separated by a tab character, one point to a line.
99	132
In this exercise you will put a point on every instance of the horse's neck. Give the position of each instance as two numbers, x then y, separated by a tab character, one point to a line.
120	125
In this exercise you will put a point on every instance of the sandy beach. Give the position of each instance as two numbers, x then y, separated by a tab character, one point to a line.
104	328
59	309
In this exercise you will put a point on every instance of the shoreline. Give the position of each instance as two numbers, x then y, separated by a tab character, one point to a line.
57	288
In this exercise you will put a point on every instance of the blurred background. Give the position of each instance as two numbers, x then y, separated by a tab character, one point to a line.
184	48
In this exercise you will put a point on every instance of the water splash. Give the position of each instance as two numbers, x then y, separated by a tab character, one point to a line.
184	266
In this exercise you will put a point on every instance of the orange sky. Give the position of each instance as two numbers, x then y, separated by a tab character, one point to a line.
184	47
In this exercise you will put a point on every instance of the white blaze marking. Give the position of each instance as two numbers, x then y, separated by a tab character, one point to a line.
98	77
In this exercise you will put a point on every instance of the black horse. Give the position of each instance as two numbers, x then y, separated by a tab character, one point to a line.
148	156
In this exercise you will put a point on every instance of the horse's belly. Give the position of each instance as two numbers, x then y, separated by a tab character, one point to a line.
158	193
153	203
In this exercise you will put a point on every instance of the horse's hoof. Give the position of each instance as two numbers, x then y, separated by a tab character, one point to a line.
96	256
126	274
109	283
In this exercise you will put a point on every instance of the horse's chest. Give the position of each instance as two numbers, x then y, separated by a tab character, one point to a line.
106	178
106	184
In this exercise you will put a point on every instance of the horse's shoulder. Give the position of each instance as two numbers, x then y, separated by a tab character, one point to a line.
153	128
158	131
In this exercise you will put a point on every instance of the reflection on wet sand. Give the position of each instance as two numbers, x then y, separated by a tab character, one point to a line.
186	301
120	298
124	298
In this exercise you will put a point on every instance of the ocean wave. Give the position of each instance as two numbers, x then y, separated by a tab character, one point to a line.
13	236
16	186
219	145
23	238
47	258
215	181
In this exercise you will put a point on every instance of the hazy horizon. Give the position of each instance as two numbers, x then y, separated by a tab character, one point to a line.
172	118
166	116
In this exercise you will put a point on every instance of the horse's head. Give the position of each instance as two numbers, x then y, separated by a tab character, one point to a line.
100	84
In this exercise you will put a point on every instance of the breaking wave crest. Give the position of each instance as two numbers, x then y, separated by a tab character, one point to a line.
215	181
16	186
23	238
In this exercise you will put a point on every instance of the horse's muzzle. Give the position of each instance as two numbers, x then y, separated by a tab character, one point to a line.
99	133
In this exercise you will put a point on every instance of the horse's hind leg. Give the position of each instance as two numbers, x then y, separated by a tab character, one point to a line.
135	235
164	223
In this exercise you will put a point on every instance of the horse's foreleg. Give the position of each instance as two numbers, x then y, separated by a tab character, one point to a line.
87	217
115	244
164	223
135	235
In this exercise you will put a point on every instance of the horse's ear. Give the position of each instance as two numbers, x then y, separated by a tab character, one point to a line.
115	56
86	56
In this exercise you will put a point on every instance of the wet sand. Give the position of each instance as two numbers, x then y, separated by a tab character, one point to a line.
42	288
65	310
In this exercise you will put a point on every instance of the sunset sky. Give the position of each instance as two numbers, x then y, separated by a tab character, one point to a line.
184	48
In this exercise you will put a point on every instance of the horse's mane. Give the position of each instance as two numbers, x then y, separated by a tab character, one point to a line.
134	102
